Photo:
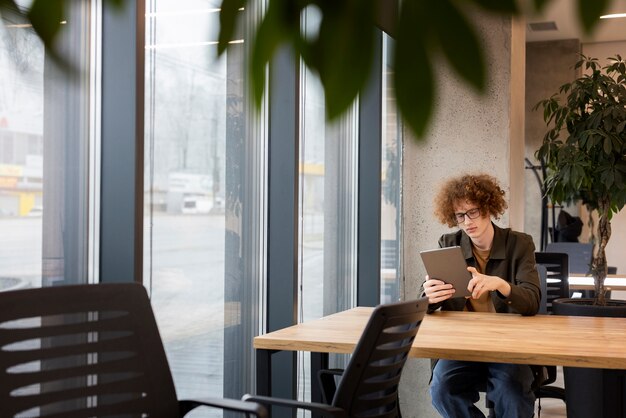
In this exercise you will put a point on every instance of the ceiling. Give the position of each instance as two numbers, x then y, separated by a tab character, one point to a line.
564	14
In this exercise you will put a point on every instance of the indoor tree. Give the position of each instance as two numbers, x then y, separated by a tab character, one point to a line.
585	150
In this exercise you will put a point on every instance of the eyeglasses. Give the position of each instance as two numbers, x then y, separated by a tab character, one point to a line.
471	214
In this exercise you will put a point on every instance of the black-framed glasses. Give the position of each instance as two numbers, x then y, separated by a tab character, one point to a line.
471	214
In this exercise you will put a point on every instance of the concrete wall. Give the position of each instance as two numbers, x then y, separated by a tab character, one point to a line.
469	132
517	115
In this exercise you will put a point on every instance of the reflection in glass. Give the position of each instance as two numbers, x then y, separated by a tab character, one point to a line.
328	202
45	143
47	134
203	176
391	182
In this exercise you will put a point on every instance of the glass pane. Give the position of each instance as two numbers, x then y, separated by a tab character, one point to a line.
45	143
391	185
203	180
328	203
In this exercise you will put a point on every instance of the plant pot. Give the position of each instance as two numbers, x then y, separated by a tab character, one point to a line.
593	392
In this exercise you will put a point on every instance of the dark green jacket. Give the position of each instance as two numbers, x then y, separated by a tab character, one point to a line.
512	258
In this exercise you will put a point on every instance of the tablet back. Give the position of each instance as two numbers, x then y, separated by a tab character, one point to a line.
448	264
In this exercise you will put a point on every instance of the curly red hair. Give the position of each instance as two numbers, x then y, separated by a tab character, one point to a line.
480	189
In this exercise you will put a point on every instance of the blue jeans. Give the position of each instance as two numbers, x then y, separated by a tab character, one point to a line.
455	386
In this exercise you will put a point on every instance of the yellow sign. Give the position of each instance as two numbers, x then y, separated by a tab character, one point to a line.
8	182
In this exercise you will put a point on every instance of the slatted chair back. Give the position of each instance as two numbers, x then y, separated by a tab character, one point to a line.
553	274
580	255
369	385
85	350
557	275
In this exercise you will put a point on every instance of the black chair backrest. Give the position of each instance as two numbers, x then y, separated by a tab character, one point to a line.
369	385
579	253
543	281
557	275
86	350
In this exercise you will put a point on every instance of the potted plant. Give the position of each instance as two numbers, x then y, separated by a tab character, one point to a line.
585	150
585	156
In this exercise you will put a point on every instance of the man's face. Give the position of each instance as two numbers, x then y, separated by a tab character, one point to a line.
475	228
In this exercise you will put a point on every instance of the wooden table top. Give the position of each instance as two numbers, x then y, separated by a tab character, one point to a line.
473	336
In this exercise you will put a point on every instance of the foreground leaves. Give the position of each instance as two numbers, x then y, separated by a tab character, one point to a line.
341	50
46	17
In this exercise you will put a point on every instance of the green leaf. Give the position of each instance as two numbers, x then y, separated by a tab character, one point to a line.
343	51
540	4
46	17
580	177
500	6
617	143
412	69
589	12
565	174
229	14
609	179
458	41
619	179
116	3
267	39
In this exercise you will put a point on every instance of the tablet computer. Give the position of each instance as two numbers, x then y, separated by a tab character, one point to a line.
448	265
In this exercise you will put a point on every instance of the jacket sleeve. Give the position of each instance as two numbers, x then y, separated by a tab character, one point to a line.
525	294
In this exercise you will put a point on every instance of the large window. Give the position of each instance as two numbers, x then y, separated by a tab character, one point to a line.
327	207
204	180
391	185
47	153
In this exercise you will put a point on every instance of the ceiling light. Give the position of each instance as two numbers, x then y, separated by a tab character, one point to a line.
189	44
182	12
613	16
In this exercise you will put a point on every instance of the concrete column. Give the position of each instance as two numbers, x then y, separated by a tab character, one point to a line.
469	133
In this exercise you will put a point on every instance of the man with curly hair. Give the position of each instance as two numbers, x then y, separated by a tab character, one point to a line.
504	279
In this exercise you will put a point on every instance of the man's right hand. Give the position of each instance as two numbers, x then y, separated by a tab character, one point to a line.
437	291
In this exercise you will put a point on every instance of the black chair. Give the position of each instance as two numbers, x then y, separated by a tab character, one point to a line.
580	254
369	385
554	273
557	277
89	350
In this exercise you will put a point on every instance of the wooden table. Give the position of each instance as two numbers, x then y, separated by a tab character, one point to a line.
583	282
542	339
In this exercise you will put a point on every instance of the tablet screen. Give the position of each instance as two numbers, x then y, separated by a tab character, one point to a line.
448	265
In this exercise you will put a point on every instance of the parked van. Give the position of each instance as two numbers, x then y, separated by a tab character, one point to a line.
196	204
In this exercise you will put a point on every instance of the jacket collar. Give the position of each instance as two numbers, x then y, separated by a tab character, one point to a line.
497	248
